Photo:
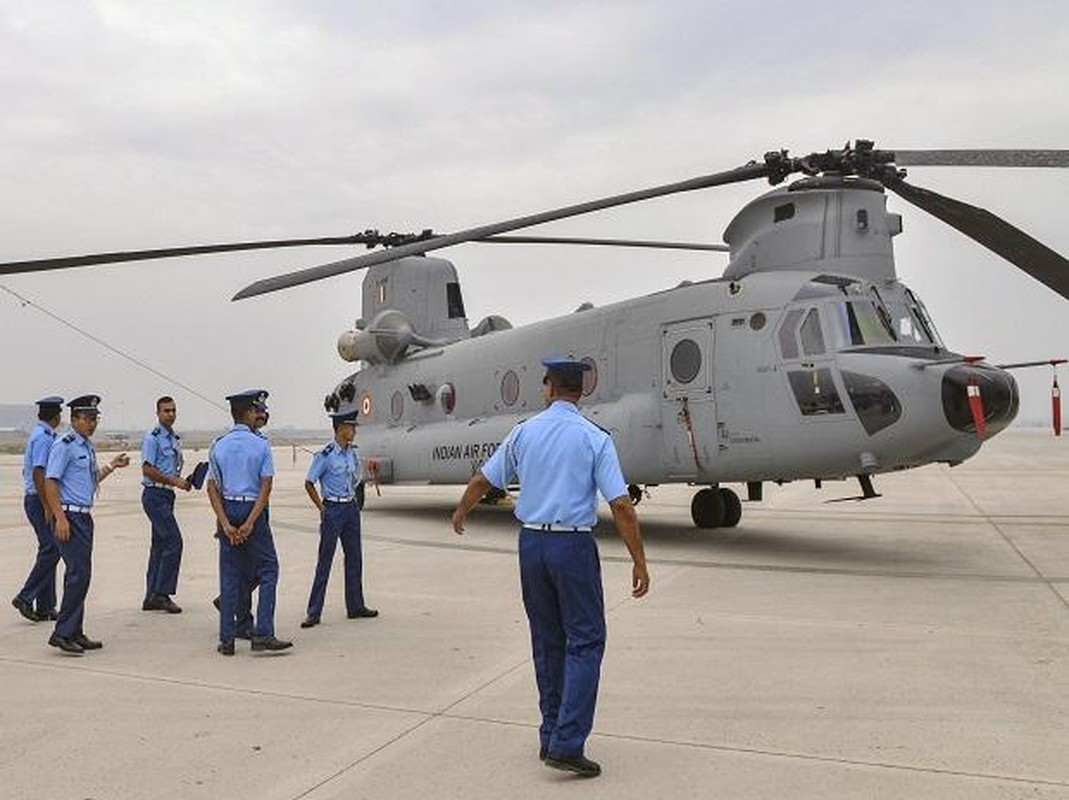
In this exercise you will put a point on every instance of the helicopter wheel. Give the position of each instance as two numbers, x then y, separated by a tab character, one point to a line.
360	495
732	508
707	509
634	491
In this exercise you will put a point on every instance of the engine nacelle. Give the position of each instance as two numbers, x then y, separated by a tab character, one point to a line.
384	341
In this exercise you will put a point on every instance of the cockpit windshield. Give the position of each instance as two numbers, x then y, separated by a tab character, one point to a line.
854	314
860	322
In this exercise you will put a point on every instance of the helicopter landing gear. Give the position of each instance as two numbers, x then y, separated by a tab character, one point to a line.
716	507
634	491
732	508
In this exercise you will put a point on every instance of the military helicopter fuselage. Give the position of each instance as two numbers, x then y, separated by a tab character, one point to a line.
807	359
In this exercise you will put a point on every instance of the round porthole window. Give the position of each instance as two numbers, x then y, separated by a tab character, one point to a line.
447	397
590	376
397	406
685	361
510	388
757	321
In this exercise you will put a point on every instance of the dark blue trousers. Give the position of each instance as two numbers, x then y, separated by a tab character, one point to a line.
560	574
252	562
40	587
340	521
165	552
77	554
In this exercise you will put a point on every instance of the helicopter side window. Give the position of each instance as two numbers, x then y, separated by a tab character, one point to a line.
815	392
812	338
788	342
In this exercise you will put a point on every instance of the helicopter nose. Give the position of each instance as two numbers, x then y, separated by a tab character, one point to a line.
998	395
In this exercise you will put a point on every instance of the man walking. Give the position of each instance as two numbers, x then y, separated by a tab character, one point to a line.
563	461
37	599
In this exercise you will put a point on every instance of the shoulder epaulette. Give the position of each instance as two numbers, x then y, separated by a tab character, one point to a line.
603	430
328	449
156	431
68	438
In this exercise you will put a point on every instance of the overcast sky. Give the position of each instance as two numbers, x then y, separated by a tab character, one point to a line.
145	124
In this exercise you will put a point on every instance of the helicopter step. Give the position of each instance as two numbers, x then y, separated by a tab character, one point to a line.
716	507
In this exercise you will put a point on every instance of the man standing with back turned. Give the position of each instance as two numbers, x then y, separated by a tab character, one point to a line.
562	461
241	471
161	474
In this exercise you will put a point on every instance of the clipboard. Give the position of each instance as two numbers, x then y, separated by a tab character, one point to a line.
197	476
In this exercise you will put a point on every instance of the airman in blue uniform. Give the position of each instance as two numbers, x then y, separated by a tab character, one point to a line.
161	474
562	461
337	470
37	599
240	473
72	479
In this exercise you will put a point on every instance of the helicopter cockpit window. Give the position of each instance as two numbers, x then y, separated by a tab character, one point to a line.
812	337
815	392
859	322
788	342
909	327
454	301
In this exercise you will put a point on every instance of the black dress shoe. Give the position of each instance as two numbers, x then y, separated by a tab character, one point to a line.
168	605
543	751
580	765
151	603
215	603
310	622
361	613
65	644
48	614
26	609
85	642
226	648
269	642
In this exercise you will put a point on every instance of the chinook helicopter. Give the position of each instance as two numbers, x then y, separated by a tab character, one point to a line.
807	359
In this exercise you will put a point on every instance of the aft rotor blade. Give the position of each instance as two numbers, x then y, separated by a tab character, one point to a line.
46	264
992	232
737	175
982	158
719	248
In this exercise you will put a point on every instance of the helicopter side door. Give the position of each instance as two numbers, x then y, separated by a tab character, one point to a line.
688	410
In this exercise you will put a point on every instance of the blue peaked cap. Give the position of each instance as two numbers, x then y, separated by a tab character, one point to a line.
257	398
87	403
51	400
565	365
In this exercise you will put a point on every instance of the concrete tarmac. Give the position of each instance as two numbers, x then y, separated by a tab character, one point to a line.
916	645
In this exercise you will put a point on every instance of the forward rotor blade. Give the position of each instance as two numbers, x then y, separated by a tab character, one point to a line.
737	175
982	158
45	264
719	248
992	232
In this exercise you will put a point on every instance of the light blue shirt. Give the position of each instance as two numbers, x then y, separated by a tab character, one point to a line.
38	447
238	461
160	448
562	460
337	469
73	463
